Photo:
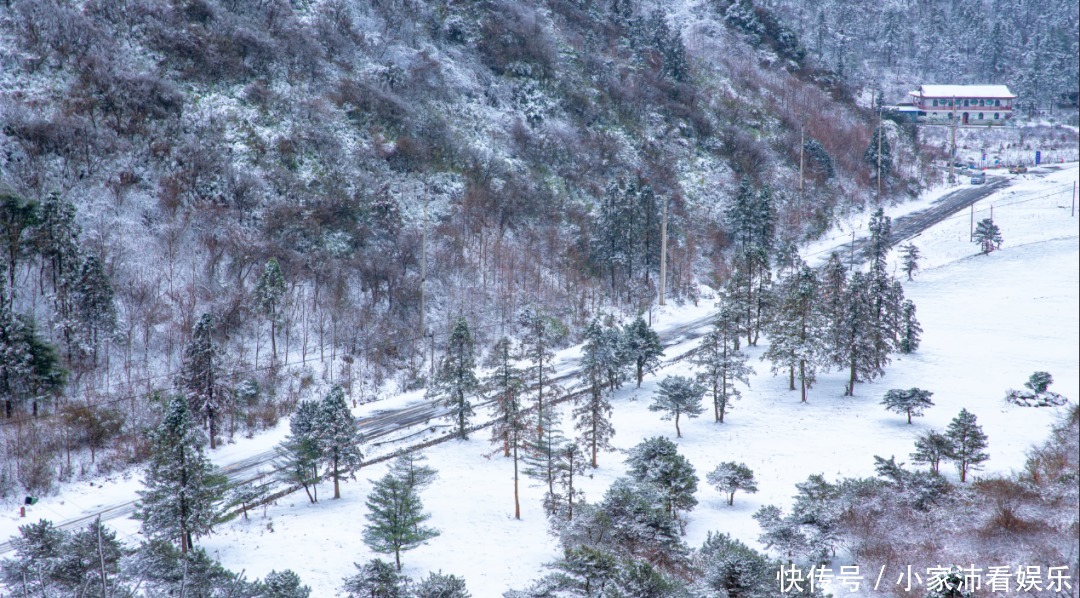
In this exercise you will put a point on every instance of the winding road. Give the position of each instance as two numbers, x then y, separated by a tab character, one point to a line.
384	423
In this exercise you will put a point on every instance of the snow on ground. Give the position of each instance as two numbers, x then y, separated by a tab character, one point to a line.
989	322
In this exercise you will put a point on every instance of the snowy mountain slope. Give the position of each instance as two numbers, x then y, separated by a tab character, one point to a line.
990	321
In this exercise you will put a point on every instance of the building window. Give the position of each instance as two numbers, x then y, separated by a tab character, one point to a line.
935	102
980	116
982	102
965	103
997	102
997	116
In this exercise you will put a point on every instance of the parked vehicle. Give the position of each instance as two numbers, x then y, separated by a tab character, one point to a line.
1017	169
978	178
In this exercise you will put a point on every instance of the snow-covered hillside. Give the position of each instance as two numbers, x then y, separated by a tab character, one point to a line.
989	320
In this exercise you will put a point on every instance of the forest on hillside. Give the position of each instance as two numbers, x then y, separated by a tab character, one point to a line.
321	188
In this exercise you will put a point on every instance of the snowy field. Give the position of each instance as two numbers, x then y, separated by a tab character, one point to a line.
989	322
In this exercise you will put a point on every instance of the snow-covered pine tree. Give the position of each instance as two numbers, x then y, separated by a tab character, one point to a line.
912	401
731	568
300	455
88	554
656	462
570	464
94	305
592	412
455	381
857	351
871	156
909	256
269	291
910	329
30	368
505	385
988	235
338	436
18	218
797	330
751	218
642	347
395	515
439	585
56	240
377	579
537	340
967	443
541	458
1039	382
930	449
200	377
721	363
677	396
282	584
833	291
729	476
39	549
182	487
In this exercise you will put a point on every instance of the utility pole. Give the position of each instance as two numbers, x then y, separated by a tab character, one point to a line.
952	151
663	251
971	237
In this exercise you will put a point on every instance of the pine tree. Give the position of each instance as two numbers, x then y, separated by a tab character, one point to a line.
570	464
456	379
39	549
871	155
536	343
438	585
796	332
30	368
377	579
1039	382
910	257
88	554
656	462
93	303
510	429
913	401
338	436
988	235
284	584
721	363
730	476
967	443
300	454
731	568
182	487
751	218
200	375
910	330
592	414
930	449
677	396
858	351
18	217
542	456
395	513
269	291
642	347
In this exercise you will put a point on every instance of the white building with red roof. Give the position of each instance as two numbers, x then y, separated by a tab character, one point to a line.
970	104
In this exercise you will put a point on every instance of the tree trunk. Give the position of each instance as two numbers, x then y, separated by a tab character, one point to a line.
337	490
802	378
791	378
731	498
517	502
678	432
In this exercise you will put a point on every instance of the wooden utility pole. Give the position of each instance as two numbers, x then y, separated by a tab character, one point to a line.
663	251
952	144
851	268
972	236
802	164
